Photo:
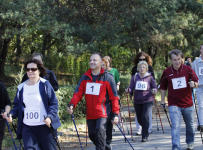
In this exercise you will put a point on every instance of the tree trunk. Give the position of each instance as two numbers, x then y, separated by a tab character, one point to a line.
3	56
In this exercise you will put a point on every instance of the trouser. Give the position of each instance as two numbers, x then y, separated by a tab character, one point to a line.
2	131
200	108
109	128
142	112
175	115
139	128
97	132
38	138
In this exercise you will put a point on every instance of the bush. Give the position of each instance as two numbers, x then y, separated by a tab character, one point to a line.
125	82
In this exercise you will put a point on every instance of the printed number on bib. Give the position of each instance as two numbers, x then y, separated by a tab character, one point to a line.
32	115
200	70
179	83
140	85
93	88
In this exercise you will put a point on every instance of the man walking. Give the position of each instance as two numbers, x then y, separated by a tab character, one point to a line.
97	85
176	79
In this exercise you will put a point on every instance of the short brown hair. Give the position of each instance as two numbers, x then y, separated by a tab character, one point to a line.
39	66
138	55
175	52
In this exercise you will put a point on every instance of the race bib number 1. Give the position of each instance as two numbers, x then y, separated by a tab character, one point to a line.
200	71
140	85
32	115
179	83
93	88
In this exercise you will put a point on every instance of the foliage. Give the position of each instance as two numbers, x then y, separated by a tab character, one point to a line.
19	77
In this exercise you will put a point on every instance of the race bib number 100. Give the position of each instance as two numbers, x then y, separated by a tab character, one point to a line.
140	85
179	83
93	88
32	115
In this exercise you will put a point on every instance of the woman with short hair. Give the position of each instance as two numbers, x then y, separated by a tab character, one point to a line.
144	87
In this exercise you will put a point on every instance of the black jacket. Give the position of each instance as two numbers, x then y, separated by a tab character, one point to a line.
50	77
5	100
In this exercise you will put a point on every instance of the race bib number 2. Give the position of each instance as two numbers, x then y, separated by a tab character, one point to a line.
93	88
179	83
32	115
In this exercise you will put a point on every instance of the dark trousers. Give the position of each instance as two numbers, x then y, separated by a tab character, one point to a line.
97	132
38	137
2	131
142	112
109	129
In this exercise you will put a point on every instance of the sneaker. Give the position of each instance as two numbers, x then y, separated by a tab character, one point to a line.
138	133
190	146
108	147
144	139
150	131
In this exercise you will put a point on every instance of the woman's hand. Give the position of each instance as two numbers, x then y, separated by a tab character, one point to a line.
153	91
127	90
70	109
4	115
9	119
47	121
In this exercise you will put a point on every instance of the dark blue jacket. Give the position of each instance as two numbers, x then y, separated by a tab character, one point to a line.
50	77
49	99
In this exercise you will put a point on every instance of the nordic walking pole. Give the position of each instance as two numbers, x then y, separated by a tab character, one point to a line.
129	118
157	121
159	114
53	134
124	119
196	110
2	111
16	134
167	117
76	131
124	135
86	134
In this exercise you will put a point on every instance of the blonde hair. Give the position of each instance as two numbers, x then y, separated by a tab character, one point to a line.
142	63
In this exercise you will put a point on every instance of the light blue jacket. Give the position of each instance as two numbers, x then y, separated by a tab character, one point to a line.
49	99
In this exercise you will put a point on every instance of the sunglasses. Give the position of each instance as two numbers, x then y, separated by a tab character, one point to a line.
142	59
32	69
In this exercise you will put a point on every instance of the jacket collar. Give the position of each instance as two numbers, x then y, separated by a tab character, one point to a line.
179	70
199	59
89	72
145	75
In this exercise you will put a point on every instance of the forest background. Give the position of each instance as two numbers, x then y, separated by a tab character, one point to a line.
67	32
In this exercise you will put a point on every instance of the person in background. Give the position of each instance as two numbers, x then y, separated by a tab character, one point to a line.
197	66
36	107
5	104
142	56
114	72
145	86
188	61
49	74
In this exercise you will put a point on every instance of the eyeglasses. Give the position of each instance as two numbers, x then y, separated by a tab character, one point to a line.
142	59
32	69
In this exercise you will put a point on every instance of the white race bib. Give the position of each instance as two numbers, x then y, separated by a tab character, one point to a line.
93	88
179	83
140	85
200	71
32	115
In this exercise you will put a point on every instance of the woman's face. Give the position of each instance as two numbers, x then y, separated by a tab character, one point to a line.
32	71
142	58
103	65
142	69
108	64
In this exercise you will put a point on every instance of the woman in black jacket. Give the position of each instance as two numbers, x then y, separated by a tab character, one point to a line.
5	104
